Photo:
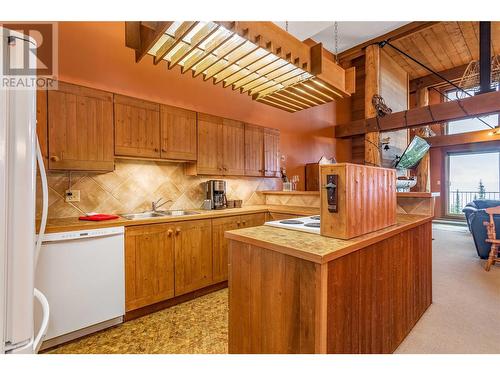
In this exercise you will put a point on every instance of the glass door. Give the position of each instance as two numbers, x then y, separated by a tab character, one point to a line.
471	176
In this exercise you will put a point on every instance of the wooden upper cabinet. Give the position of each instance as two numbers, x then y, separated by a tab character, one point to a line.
254	150
178	133
271	152
193	255
209	144
80	128
233	148
42	130
137	127
149	265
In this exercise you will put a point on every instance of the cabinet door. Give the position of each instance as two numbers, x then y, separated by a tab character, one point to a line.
209	144
254	150
137	127
252	220
42	125
80	123
271	152
149	265
233	148
193	255
178	133
220	250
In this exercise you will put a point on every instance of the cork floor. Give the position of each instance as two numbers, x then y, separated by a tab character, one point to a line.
194	327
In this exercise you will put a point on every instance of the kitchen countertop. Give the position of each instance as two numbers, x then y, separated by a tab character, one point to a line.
73	224
399	194
316	248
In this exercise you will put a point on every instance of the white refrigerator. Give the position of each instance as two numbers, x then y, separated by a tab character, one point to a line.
19	153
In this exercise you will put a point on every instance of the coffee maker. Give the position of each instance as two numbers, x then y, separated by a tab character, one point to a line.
216	192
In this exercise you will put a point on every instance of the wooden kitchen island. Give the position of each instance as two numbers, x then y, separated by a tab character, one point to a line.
296	292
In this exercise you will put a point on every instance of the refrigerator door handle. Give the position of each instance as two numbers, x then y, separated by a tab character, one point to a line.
45	320
45	201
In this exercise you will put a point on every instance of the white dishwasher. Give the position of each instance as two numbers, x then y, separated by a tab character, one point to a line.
82	274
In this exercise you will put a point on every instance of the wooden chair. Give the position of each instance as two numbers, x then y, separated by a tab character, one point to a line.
492	237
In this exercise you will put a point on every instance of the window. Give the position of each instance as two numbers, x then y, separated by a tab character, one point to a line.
471	124
472	176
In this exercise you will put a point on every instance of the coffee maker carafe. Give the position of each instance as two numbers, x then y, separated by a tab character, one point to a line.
216	192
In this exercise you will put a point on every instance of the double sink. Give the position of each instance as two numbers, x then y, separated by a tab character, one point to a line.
155	214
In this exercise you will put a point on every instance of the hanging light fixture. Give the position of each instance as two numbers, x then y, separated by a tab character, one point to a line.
256	58
470	78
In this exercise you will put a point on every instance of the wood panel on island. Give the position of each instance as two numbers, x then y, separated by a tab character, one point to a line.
359	287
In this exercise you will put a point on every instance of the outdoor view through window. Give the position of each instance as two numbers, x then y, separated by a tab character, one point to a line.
472	124
472	176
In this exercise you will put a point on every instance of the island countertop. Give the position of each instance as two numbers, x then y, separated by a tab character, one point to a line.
316	248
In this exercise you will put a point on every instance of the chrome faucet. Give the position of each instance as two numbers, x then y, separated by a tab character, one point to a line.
159	203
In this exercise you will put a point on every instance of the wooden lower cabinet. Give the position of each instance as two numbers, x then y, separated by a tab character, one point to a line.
193	255
163	261
149	265
272	216
219	244
252	220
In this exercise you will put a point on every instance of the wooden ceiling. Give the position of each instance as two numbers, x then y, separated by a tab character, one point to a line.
442	46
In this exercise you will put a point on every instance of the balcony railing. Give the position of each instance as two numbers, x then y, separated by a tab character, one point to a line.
458	199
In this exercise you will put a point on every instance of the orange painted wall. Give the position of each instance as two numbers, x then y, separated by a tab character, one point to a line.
94	54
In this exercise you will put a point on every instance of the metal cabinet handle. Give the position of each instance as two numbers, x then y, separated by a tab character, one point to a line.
169	232
163	150
177	231
54	158
238	223
244	222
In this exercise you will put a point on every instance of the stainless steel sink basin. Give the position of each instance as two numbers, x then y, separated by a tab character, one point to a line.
178	213
142	215
155	214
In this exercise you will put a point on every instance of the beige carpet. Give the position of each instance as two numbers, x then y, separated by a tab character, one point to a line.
464	318
465	314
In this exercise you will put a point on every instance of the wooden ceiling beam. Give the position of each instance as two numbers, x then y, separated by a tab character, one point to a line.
479	105
451	74
393	35
462	138
142	36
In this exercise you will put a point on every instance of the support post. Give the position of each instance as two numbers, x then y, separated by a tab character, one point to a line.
372	87
485	57
423	169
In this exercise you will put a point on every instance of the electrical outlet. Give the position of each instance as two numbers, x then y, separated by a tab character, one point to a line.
72	196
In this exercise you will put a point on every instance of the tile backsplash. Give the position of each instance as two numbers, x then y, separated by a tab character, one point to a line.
134	184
